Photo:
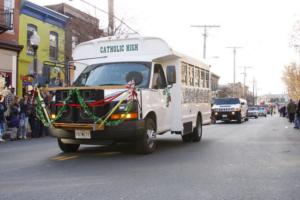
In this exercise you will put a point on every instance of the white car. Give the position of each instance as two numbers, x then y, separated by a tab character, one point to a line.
252	112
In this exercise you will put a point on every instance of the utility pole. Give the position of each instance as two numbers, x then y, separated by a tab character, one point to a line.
254	82
245	75
205	27
234	55
111	25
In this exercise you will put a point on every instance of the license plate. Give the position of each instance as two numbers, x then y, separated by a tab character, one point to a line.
82	134
224	116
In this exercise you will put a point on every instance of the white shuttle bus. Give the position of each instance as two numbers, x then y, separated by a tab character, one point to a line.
173	93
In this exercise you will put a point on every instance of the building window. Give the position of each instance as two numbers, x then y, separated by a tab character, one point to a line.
30	30
9	6
53	48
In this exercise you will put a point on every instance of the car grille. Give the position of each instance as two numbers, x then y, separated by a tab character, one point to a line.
224	109
77	114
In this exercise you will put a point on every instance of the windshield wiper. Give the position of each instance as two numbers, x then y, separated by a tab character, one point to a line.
110	84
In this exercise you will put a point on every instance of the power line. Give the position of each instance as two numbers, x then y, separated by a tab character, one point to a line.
205	27
108	14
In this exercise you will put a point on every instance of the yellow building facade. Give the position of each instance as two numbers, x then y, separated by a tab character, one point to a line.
50	26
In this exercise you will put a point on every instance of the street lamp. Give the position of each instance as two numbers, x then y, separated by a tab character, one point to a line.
34	42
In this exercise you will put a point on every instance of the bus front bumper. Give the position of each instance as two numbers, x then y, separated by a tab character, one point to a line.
126	131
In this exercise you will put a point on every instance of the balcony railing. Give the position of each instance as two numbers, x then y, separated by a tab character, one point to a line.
6	19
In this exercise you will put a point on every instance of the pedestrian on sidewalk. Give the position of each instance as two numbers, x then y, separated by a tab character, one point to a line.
14	119
297	116
2	117
291	110
24	111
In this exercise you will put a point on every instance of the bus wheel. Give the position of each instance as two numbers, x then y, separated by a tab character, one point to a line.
197	133
147	143
67	148
186	137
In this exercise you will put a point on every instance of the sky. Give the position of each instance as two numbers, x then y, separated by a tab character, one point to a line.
261	27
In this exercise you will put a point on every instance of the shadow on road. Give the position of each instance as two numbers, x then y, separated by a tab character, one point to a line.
165	146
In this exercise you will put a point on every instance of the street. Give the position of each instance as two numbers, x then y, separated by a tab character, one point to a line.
258	159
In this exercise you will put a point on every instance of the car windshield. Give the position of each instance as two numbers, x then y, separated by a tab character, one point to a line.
262	108
112	74
226	101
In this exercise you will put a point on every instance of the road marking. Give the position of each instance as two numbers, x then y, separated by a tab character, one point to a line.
61	158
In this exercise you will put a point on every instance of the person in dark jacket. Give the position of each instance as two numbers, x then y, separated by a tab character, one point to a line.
2	118
297	116
291	110
13	122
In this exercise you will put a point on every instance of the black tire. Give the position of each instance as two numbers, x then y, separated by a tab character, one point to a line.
239	120
186	138
67	148
197	132
146	144
246	119
256	117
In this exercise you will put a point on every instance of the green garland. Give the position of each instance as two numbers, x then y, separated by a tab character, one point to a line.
42	117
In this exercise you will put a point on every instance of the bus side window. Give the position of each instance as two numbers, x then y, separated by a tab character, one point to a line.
159	79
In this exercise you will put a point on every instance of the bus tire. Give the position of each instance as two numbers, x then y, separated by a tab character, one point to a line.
67	148
186	137
147	144
197	132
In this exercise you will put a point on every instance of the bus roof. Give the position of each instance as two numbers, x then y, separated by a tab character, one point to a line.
132	48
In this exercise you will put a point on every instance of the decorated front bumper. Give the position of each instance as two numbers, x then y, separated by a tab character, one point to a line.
88	109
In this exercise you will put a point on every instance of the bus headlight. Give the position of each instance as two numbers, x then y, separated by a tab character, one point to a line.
123	107
124	116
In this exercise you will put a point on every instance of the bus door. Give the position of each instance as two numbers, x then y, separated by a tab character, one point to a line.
161	98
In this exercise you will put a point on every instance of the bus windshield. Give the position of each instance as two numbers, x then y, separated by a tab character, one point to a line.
112	74
226	101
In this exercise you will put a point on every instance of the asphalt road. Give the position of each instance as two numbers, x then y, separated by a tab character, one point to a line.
259	159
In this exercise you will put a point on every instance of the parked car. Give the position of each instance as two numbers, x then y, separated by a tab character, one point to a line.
262	111
252	112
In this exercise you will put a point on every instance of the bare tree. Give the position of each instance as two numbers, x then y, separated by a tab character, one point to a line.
291	77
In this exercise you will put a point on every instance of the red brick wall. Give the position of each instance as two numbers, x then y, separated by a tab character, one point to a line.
12	35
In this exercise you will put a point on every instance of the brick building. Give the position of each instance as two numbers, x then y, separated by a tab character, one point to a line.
9	46
81	27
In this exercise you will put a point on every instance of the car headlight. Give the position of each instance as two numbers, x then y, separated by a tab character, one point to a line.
237	109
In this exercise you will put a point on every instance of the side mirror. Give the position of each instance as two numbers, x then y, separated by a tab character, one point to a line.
171	75
137	77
